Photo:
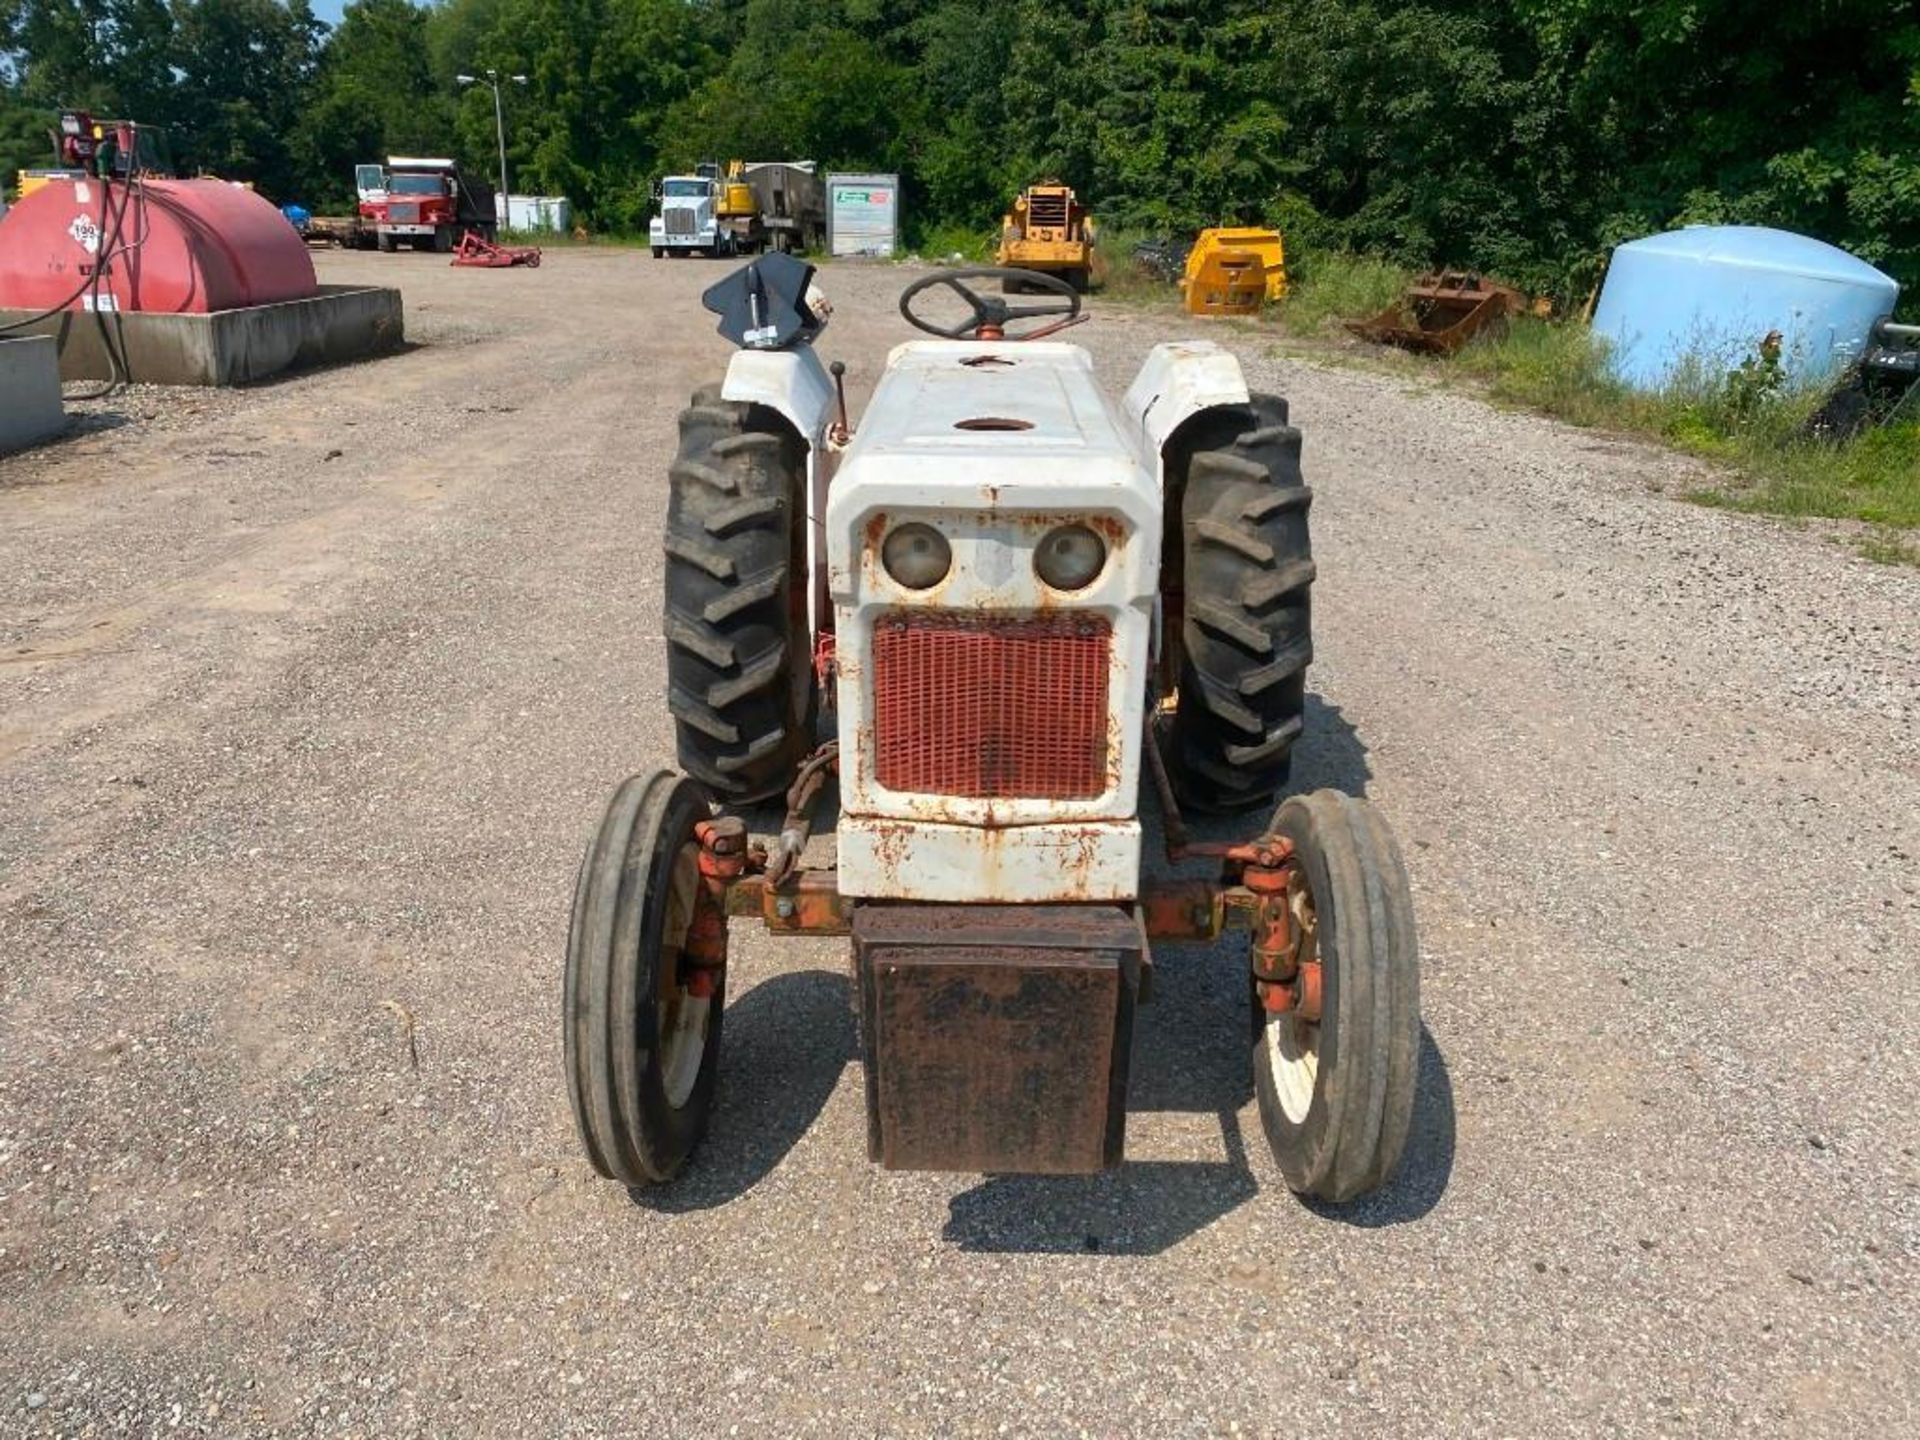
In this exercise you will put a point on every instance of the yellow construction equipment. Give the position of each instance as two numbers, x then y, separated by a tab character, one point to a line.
1048	229
737	200
1234	270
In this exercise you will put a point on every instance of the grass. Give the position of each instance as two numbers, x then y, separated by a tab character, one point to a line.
1749	419
1327	288
944	242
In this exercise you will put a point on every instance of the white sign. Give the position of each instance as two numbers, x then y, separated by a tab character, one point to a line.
85	234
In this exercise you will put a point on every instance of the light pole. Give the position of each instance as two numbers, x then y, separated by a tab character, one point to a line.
503	222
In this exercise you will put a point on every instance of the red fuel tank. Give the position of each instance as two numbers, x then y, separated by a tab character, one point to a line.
175	246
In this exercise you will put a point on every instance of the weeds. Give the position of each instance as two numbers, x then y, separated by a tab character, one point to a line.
1328	287
1750	418
957	244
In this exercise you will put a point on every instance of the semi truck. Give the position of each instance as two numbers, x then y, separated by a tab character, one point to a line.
425	203
689	218
756	206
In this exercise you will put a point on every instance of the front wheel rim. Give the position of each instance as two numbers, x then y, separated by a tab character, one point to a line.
683	1020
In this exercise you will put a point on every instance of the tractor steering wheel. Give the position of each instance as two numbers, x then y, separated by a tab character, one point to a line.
990	313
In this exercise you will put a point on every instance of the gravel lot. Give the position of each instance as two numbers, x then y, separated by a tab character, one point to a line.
310	694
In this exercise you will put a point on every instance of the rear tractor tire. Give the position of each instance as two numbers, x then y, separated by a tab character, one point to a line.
739	667
1336	1089
1246	636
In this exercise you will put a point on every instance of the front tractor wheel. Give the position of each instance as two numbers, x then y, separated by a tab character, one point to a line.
1336	1053
739	667
1245	570
642	1019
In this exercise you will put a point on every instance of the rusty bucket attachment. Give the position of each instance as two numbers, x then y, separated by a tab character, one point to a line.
1440	313
996	1037
1234	271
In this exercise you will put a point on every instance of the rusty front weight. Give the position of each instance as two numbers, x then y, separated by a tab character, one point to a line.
723	858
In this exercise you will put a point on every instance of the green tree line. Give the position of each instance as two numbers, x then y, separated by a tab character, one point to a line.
1518	136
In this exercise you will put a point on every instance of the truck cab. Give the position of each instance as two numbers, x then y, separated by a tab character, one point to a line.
425	203
689	219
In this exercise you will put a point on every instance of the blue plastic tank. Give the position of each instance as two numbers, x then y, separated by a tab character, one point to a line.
1707	295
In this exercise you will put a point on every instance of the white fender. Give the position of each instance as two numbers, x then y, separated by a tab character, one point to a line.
1178	381
795	383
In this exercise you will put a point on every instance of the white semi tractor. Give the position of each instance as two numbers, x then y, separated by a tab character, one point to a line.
689	218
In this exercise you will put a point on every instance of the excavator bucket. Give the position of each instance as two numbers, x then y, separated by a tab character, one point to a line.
1234	271
1440	313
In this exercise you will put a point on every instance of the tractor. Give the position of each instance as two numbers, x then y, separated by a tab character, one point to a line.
999	610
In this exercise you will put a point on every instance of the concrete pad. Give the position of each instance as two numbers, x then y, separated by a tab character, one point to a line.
30	406
231	347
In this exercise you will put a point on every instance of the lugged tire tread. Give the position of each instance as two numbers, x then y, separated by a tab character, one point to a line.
1234	537
708	475
725	521
1262	590
708	644
750	592
743	711
1276	742
710	558
1246	637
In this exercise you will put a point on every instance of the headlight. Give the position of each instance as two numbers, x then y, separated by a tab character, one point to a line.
916	555
1070	558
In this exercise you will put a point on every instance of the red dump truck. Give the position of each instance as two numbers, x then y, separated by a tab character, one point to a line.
428	204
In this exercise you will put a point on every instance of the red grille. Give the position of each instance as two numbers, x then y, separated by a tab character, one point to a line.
988	706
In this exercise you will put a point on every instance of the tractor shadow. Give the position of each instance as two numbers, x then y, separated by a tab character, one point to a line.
795	1032
1189	1058
1329	754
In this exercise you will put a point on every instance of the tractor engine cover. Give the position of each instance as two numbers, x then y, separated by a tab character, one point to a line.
996	1038
194	246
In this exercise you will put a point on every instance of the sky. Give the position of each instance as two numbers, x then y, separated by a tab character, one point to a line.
328	10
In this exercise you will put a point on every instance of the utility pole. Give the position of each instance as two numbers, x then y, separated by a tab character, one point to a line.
504	221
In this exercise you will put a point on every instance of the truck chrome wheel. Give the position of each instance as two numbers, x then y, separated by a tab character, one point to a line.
642	1028
1335	1065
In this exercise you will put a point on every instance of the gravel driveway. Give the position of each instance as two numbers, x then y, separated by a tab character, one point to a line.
310	694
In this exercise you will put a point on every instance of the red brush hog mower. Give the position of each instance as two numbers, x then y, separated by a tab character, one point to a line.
483	254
